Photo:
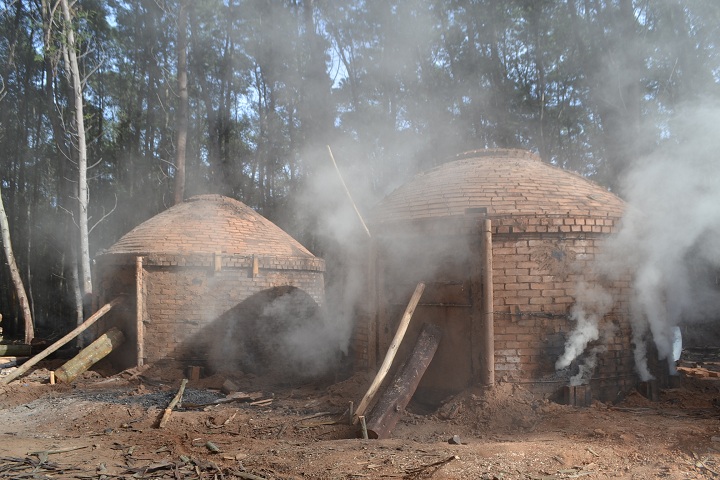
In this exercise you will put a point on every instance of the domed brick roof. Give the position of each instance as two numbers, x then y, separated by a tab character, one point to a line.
508	183
209	224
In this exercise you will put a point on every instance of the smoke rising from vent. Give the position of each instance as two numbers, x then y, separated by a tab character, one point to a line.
668	242
592	303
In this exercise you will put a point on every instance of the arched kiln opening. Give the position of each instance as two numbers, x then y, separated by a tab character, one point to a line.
276	333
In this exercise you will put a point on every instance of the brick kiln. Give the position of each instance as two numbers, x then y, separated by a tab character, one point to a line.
213	282
538	228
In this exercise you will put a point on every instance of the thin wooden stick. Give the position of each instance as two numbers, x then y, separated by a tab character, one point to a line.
56	346
347	192
59	450
390	355
171	405
416	472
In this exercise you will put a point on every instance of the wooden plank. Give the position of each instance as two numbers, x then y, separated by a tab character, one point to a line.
477	318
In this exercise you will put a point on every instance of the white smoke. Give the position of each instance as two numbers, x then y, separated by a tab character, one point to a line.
667	242
593	302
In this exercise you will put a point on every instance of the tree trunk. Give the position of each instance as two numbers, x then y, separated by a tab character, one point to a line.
182	120
15	274
83	193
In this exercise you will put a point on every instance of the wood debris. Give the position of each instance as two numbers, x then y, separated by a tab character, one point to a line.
429	469
235	397
173	403
698	372
13	467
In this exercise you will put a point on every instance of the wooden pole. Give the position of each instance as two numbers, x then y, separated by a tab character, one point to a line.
488	367
390	355
139	325
372	308
171	405
392	402
347	192
64	340
90	355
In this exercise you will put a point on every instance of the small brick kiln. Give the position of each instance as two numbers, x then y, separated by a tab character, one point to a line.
213	282
538	229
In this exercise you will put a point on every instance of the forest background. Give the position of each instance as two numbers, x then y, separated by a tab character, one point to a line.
240	97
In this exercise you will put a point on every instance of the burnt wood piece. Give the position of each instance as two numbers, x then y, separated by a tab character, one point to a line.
90	355
392	403
577	395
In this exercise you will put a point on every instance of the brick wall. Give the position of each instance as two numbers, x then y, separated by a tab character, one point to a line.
537	265
185	295
535	281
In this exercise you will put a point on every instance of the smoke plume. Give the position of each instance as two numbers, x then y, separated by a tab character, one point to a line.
667	242
592	303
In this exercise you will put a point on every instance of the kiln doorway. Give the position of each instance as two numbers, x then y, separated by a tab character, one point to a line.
446	265
276	334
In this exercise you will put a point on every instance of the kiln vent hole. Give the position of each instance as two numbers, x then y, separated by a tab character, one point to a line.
277	334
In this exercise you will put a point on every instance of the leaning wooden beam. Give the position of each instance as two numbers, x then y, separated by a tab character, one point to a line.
90	355
390	355
392	402
60	343
173	403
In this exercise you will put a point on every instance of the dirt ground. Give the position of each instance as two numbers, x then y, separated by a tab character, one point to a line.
105	427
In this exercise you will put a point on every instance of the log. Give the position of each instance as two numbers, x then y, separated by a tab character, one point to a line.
390	355
176	399
395	398
64	340
90	355
15	350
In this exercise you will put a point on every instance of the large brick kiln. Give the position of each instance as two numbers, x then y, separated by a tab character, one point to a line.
212	281
539	227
